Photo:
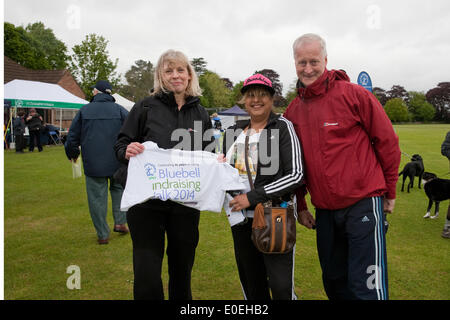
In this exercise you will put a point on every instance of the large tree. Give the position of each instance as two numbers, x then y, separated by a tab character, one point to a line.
397	110
236	94
397	92
419	107
91	62
380	94
292	93
55	51
35	47
140	81
199	65
439	97
215	92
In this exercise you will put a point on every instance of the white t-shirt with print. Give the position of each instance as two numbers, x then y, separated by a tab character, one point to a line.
236	157
193	178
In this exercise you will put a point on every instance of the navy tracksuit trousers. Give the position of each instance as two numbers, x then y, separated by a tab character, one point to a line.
352	251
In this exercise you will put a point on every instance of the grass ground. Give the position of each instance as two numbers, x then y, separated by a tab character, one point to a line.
48	228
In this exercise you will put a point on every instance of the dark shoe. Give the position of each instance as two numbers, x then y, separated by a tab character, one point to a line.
121	228
103	241
446	233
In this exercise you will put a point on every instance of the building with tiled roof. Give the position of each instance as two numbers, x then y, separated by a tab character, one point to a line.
13	70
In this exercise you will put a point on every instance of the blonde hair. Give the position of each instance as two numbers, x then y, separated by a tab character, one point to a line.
255	90
171	56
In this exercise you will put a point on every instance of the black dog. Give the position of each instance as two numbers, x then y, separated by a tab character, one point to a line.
413	169
437	190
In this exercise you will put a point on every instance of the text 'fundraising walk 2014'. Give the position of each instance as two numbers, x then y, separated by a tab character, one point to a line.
193	178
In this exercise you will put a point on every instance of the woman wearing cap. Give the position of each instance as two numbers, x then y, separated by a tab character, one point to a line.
174	104
276	169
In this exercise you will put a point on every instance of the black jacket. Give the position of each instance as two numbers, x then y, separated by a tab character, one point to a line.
280	170
19	125
445	147
157	119
35	123
95	128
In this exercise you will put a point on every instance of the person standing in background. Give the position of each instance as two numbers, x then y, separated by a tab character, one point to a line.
19	130
34	122
95	128
445	150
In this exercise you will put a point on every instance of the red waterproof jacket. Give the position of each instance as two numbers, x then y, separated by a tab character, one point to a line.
350	149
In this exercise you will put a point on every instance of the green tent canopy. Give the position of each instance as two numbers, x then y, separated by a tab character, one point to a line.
35	94
39	95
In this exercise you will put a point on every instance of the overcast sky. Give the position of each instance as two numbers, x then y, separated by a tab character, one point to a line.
396	42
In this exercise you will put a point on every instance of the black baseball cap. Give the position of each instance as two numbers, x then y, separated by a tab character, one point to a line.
103	86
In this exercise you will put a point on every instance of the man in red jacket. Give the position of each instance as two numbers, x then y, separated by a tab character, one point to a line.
351	156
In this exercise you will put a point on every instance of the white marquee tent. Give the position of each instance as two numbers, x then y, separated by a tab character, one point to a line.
35	94
127	104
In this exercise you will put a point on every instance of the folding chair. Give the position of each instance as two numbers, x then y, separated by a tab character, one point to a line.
55	137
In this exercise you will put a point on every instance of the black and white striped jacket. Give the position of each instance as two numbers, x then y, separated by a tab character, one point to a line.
280	167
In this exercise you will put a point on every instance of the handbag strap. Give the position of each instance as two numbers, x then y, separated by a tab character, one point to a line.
247	167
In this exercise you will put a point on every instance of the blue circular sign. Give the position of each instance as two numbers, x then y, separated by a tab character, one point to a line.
365	81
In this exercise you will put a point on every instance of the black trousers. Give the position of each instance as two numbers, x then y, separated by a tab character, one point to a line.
20	142
261	273
35	134
352	251
148	224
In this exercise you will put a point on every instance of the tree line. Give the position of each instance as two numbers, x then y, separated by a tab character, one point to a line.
36	47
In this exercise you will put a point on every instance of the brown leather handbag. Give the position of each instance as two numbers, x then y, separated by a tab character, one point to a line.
274	227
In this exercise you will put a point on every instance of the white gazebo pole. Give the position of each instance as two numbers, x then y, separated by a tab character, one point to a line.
12	145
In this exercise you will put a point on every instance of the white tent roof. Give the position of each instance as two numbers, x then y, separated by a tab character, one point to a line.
35	94
127	104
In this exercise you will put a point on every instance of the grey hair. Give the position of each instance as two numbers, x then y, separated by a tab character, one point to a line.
310	37
108	91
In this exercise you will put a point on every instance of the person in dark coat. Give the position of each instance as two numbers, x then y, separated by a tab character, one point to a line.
34	122
95	128
445	147
173	105
19	130
445	151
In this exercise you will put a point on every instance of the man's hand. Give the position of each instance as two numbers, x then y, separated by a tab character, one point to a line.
388	205
305	218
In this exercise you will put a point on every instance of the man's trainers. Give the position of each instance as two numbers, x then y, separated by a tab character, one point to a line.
121	228
446	232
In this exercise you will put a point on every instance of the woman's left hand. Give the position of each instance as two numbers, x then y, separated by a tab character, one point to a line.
240	202
221	158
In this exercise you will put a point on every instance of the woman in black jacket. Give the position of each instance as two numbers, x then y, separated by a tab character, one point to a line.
275	162
174	104
35	124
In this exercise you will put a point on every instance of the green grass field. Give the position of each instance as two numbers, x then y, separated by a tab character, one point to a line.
48	228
